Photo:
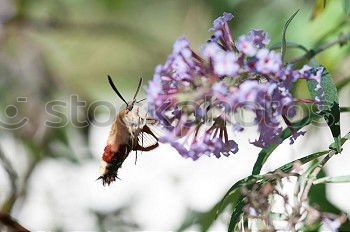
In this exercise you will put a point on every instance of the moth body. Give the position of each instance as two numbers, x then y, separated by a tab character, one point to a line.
124	137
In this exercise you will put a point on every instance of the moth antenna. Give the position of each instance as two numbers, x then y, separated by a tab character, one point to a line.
138	89
141	100
115	89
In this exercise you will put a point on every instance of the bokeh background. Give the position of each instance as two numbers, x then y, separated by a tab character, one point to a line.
53	49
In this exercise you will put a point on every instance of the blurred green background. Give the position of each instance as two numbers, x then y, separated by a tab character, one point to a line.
52	49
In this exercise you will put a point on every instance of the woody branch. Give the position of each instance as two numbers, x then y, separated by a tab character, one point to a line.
342	39
11	223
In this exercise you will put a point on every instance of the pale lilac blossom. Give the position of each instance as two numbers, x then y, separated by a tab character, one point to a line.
246	46
268	61
225	64
259	37
210	50
241	75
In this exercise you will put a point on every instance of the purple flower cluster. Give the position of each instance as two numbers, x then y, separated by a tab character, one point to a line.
195	97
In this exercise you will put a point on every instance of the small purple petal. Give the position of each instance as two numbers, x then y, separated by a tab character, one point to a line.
220	21
259	37
246	46
225	64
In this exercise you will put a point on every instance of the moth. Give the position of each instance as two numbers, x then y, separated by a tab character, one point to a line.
130	130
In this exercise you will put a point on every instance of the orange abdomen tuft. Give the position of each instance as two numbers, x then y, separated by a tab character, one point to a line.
108	154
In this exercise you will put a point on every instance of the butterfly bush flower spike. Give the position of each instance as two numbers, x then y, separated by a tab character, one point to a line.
195	98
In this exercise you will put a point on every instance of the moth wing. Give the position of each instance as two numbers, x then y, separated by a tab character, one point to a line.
146	140
148	137
156	130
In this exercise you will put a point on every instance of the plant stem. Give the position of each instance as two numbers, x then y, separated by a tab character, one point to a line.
314	174
10	222
344	109
334	179
333	30
9	170
342	83
313	52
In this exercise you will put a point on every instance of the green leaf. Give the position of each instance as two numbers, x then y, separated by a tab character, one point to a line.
318	198
234	197
332	179
342	141
330	111
346	137
265	153
284	41
239	204
278	45
236	214
307	174
204	220
346	7
311	228
246	181
341	84
344	109
288	167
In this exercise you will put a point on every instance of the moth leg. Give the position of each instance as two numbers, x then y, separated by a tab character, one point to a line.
138	147
151	121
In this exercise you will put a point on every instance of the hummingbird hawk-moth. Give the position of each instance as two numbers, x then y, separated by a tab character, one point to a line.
129	131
